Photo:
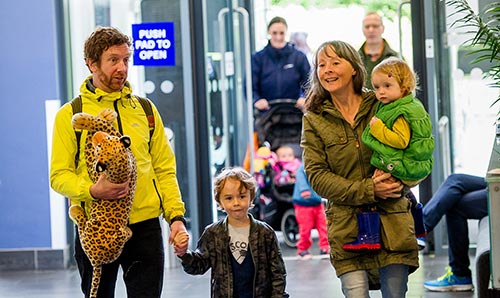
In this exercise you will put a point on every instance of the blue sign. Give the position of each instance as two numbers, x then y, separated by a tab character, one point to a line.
154	44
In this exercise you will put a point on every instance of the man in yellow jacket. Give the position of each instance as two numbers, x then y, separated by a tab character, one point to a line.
107	54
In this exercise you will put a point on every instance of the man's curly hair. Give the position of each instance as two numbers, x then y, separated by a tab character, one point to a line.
102	39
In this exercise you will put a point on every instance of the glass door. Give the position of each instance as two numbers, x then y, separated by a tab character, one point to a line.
457	97
170	86
229	100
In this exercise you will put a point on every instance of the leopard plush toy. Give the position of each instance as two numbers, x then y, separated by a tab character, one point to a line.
104	232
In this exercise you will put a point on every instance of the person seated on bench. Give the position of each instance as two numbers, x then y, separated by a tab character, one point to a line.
460	197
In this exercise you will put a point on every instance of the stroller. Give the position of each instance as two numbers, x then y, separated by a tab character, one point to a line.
280	125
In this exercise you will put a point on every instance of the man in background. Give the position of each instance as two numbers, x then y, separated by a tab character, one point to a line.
375	48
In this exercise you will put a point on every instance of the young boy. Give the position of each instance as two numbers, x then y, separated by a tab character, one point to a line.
242	252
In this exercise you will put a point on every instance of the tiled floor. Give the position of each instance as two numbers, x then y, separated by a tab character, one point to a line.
314	278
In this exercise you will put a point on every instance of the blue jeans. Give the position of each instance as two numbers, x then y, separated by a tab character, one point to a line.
141	261
393	281
460	197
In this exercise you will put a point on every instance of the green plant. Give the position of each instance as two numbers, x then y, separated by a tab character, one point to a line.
387	7
485	29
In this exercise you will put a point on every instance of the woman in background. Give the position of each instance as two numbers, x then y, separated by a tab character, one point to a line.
279	70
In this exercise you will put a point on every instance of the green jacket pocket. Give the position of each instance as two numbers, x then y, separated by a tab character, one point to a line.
396	225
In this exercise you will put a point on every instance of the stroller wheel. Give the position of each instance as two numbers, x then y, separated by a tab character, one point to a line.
290	228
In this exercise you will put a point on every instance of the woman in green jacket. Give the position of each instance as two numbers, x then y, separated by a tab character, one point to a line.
338	166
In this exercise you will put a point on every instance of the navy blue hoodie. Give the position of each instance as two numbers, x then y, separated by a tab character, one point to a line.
279	73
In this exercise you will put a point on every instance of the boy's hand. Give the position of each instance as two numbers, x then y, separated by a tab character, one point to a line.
180	241
179	238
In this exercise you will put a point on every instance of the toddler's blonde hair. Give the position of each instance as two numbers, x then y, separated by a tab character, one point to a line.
399	70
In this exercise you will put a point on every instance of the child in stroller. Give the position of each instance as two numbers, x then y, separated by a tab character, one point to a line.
286	165
276	180
278	130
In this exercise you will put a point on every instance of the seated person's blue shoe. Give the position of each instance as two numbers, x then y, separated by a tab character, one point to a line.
449	283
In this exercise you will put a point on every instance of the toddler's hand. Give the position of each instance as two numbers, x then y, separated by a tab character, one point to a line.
373	120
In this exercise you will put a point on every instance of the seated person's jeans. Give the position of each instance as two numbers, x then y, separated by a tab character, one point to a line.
459	198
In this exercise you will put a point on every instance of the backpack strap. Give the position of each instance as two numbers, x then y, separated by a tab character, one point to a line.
148	109
76	105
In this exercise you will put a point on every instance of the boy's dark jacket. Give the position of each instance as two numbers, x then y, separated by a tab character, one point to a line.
213	252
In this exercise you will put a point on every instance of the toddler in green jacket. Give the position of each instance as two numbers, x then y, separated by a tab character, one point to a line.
400	135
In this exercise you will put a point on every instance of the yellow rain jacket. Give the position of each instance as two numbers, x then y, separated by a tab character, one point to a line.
157	188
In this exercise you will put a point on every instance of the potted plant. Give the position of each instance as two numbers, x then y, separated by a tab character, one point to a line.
485	29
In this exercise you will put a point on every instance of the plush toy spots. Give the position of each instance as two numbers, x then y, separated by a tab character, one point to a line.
104	232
